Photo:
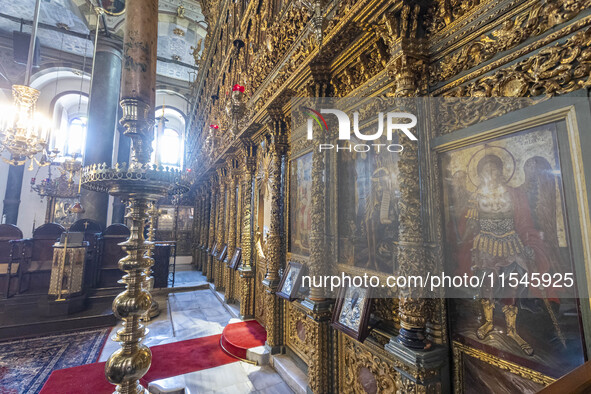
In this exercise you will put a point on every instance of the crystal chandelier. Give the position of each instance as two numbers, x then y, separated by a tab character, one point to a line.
24	133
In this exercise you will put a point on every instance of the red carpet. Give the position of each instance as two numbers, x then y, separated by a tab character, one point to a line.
167	360
237	338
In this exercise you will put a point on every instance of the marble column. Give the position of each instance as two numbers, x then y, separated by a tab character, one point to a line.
123	149
278	148
246	270
102	122
12	196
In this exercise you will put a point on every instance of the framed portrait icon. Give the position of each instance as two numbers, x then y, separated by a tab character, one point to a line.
223	252
291	281
352	311
214	249
236	258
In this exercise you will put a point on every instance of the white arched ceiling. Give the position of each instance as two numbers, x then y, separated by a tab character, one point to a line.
51	13
79	17
53	82
172	100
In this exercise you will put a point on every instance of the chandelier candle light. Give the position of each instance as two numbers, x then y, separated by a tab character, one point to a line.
24	133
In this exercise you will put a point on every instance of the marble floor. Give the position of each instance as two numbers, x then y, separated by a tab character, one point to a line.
194	314
186	275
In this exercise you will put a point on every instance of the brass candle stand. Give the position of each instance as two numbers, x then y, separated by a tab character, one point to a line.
141	184
154	310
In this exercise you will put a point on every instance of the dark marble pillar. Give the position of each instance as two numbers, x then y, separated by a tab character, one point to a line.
102	121
123	150
12	197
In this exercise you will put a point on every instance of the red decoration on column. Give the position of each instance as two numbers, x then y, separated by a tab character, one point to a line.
239	88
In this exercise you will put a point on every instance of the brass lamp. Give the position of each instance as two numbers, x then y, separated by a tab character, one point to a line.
24	133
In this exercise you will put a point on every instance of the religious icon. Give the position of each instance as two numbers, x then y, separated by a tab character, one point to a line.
367	211
214	250
352	310
300	204
223	253
505	215
236	259
291	280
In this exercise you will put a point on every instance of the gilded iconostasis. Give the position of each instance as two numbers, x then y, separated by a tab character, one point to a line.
490	188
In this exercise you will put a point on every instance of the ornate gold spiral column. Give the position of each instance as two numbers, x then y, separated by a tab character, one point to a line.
278	150
218	279
319	307
246	269
212	229
231	233
196	236
204	242
411	248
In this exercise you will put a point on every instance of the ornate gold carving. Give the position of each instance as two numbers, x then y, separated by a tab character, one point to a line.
355	358
460	350
559	69
299	333
533	22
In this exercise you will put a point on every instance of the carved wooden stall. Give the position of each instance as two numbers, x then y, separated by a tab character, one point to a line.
9	271
265	187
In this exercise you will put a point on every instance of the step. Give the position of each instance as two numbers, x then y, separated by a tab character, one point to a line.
245	340
290	372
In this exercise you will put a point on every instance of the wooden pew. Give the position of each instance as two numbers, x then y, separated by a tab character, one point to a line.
36	265
108	270
8	271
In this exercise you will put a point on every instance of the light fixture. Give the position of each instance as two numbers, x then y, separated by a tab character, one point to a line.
24	133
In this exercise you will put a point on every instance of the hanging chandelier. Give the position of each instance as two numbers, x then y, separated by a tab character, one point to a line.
24	133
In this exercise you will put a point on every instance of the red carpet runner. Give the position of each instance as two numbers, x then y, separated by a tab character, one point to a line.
237	338
167	360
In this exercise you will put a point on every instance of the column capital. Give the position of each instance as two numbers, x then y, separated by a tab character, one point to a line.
111	45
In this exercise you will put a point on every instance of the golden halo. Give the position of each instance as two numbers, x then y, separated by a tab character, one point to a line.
489	150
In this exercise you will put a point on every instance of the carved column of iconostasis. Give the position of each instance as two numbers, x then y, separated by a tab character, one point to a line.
236	283
221	229
204	234
232	213
196	229
212	236
408	67
246	269
202	229
319	307
278	151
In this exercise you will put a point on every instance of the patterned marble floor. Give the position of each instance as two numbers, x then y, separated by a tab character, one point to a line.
195	314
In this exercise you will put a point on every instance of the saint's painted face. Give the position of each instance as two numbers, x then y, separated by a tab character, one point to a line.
490	170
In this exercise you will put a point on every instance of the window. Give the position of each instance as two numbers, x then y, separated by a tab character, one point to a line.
168	148
168	141
75	137
170	153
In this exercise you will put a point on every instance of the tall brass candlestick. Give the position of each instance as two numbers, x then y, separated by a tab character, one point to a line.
129	364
